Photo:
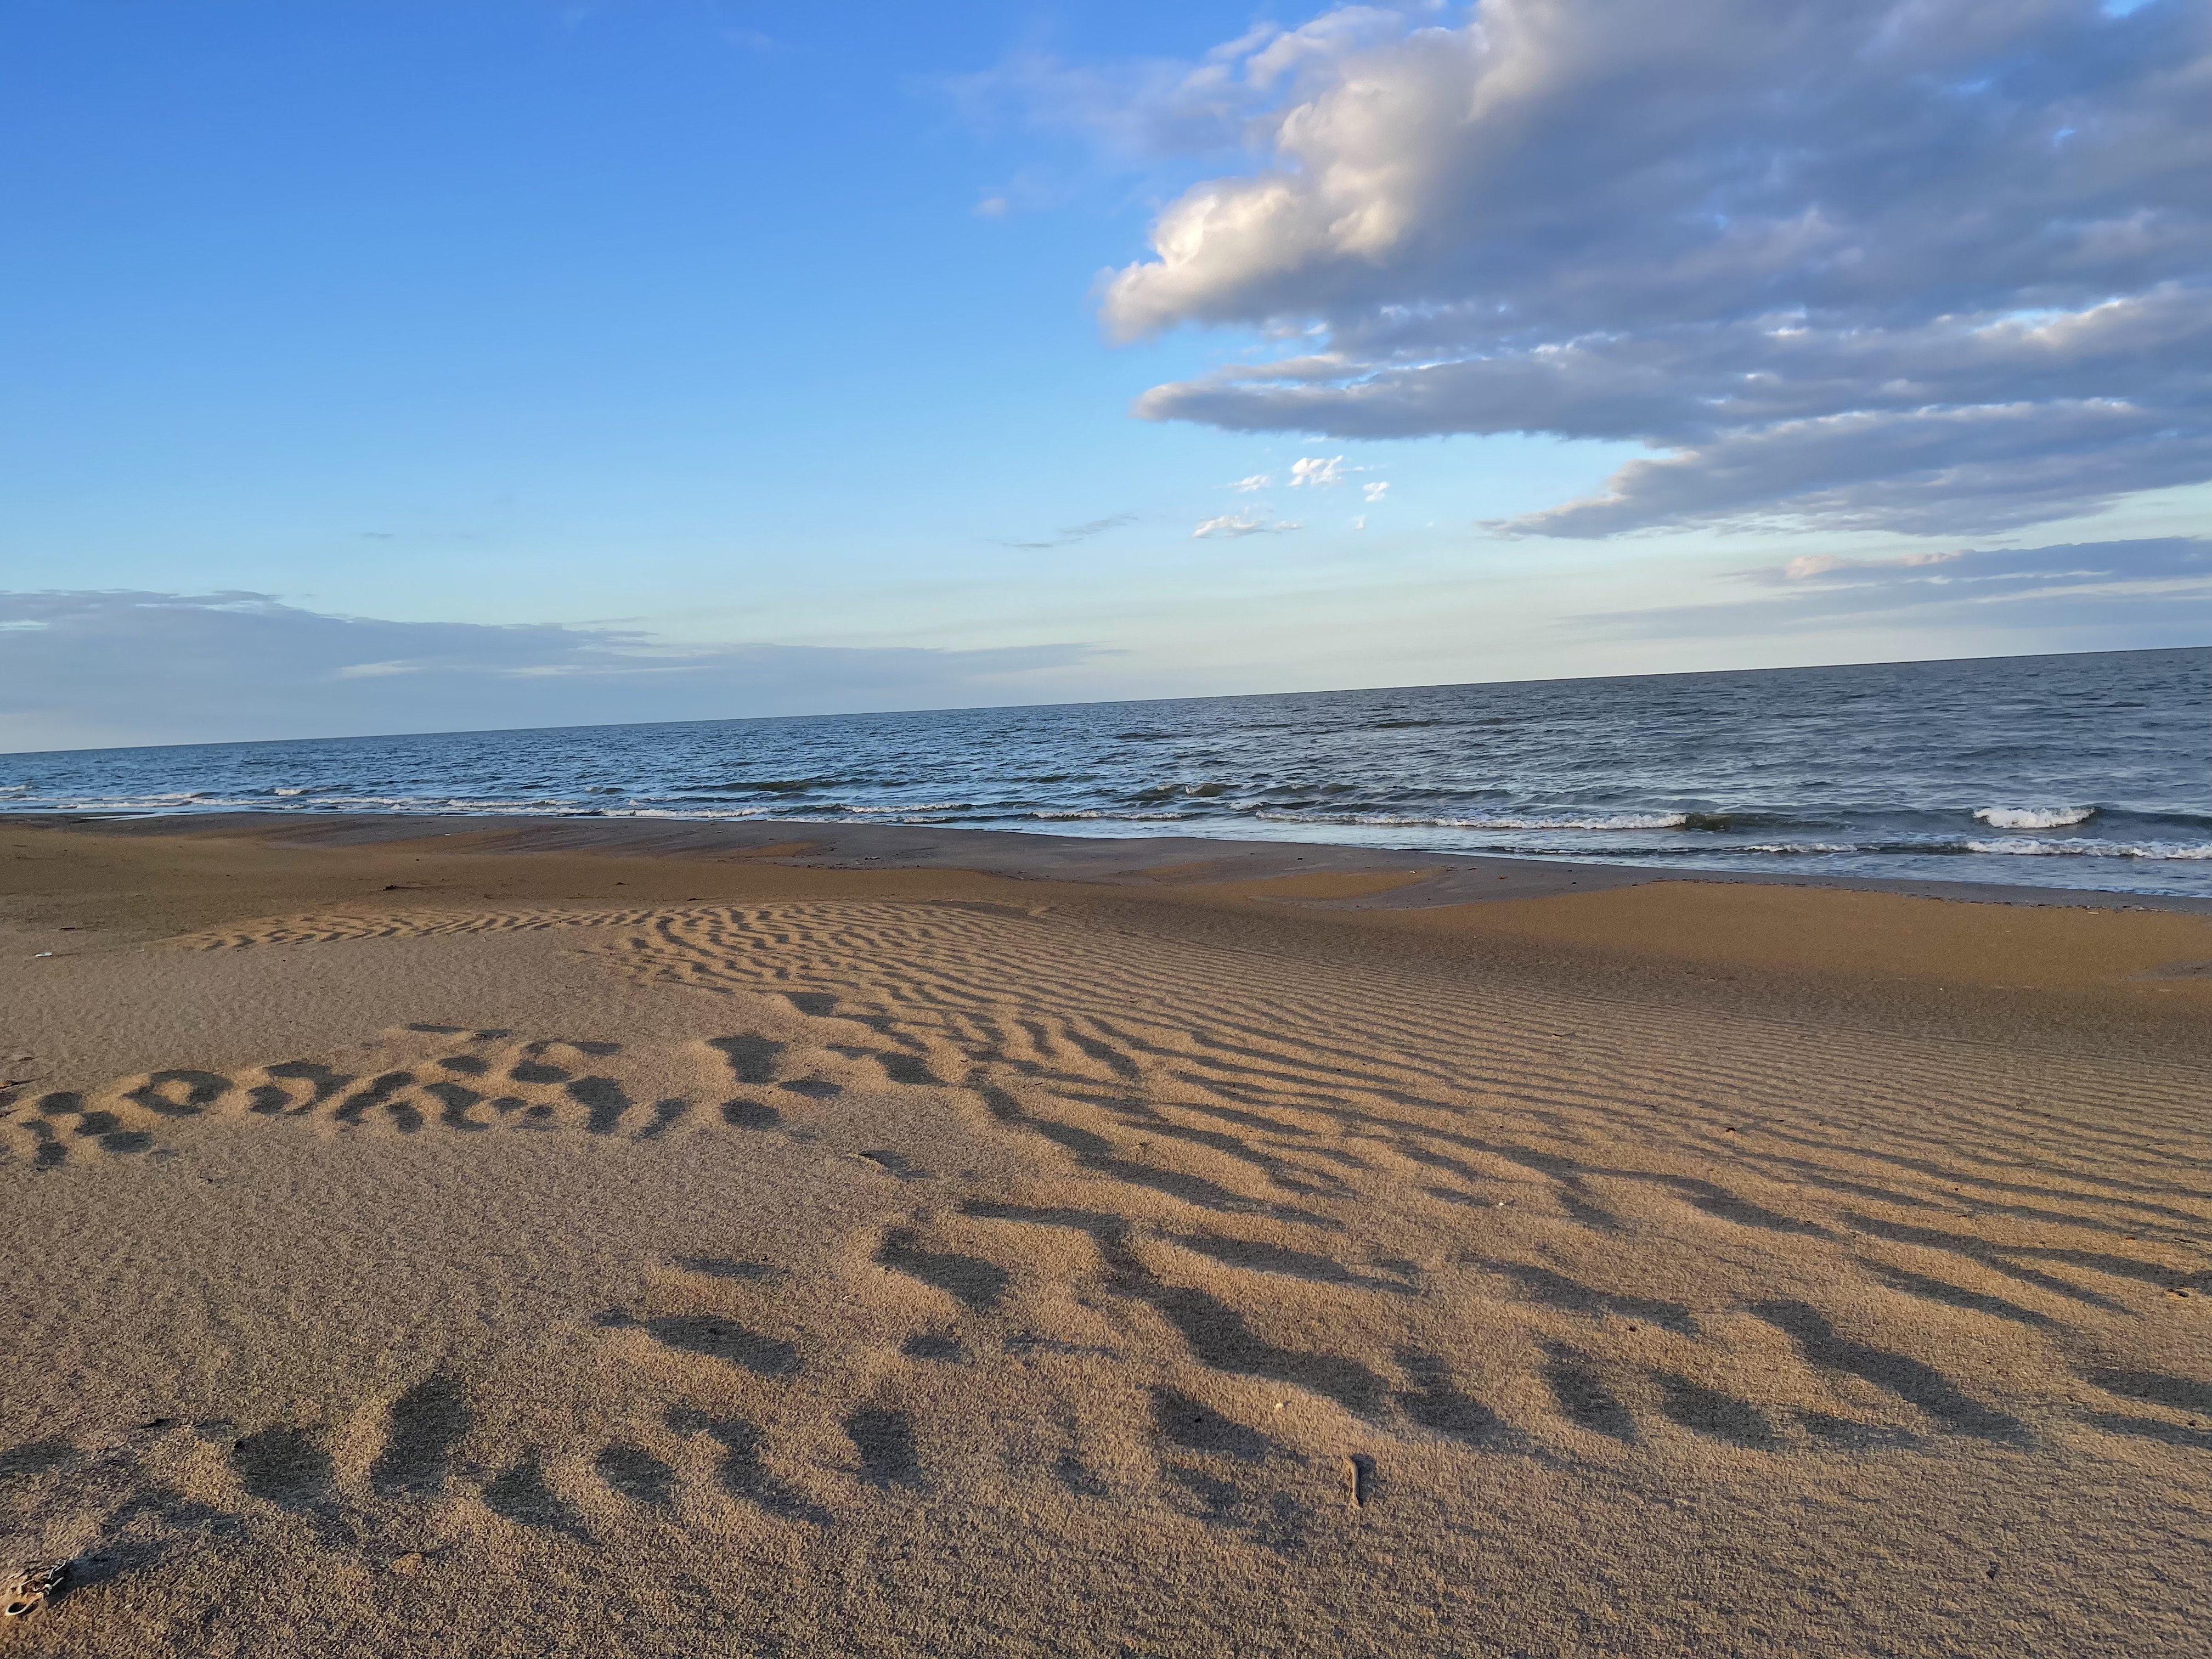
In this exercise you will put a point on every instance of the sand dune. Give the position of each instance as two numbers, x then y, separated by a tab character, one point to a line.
877	1272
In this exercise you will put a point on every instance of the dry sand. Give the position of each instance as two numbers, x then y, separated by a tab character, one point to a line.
439	1239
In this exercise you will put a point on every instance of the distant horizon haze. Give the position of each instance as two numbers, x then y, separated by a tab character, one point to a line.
1071	704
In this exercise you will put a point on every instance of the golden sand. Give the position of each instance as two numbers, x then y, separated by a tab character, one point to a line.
425	1247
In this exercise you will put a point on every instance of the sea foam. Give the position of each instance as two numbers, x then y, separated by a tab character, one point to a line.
2097	849
1530	821
2033	818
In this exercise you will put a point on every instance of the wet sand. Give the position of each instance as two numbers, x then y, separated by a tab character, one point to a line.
451	1236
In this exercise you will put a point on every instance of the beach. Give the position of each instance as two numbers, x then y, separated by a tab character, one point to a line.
534	1237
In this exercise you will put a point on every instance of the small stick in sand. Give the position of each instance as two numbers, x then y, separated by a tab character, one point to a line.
1358	1478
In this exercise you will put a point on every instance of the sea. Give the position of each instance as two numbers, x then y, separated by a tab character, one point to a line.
2084	771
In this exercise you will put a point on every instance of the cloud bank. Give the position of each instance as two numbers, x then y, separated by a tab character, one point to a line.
2155	592
90	670
1928	266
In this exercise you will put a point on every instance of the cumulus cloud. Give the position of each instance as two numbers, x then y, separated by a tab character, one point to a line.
1232	524
1373	493
2149	591
1317	471
97	669
1257	481
1932	266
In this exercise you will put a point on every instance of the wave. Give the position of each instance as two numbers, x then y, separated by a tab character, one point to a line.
1071	817
1169	791
918	807
773	785
1536	821
1720	823
2082	846
1672	851
1798	846
2033	818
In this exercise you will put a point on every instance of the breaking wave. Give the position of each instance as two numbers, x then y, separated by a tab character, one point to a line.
1528	821
2033	818
2081	847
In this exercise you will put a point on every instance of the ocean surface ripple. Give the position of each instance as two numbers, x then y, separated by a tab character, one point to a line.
2074	771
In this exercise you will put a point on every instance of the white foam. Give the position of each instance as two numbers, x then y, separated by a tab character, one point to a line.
2077	846
1133	817
2033	818
1797	847
1620	821
700	815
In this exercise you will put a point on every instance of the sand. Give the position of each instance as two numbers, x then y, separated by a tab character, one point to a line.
439	1237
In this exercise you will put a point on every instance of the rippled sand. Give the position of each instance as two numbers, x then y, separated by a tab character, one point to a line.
425	1252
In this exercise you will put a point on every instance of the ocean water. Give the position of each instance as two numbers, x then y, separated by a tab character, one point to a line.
2073	771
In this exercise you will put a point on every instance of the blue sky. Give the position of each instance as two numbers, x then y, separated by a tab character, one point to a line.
713	359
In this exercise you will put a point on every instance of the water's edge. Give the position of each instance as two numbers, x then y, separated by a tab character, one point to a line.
1139	861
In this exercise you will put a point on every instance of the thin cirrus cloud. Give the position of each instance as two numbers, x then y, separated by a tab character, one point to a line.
1072	533
1233	525
2151	592
1933	268
107	669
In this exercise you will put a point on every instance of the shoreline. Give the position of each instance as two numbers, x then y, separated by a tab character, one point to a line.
1443	878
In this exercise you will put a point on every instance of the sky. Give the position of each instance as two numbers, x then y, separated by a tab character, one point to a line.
406	365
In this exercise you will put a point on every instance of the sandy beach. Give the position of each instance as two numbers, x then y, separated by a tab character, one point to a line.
432	1236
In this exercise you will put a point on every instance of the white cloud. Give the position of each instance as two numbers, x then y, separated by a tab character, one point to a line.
1242	524
1360	523
1257	481
97	669
1375	492
1313	470
1928	265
